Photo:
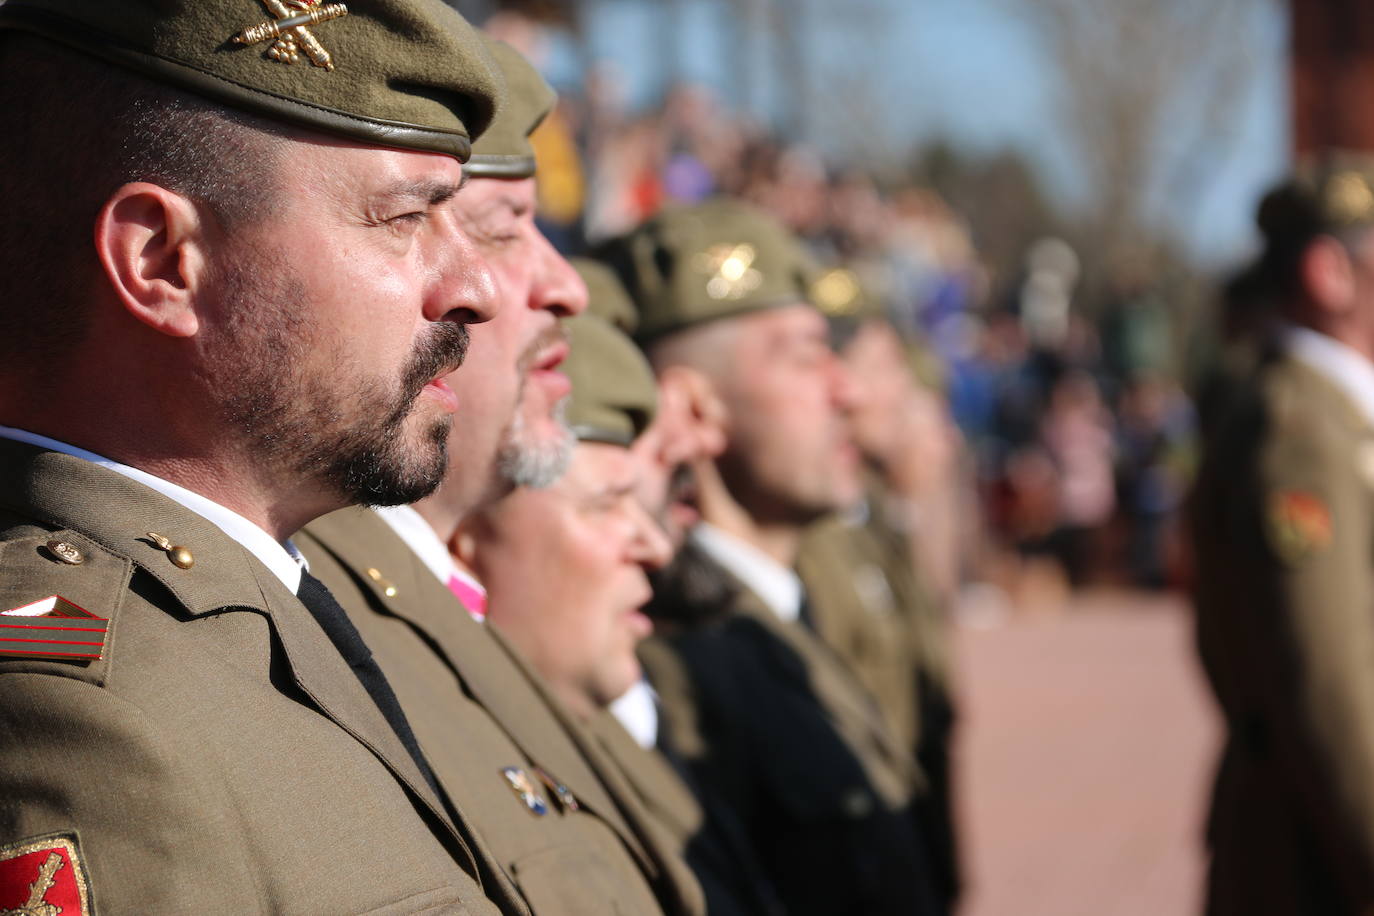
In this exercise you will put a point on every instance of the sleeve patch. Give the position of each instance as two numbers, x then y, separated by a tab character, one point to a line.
43	876
1299	524
53	628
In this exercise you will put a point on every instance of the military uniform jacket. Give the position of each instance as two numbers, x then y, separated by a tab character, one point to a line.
867	603
773	724
498	748
220	757
711	842
1283	527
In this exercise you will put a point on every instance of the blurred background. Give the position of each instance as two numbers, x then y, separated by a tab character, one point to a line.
1053	200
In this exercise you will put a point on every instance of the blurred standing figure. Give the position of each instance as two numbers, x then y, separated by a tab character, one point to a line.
877	592
1283	523
766	717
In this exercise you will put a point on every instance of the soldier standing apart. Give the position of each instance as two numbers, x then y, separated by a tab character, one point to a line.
768	719
233	289
501	746
1282	521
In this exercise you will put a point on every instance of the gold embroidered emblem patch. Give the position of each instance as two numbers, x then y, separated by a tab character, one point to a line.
1299	524
290	31
730	270
43	876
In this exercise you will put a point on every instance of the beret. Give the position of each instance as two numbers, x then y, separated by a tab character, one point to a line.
614	395
717	259
1330	195
411	74
606	296
504	150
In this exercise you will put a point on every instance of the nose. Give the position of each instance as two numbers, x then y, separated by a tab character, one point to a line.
466	289
651	548
557	287
845	391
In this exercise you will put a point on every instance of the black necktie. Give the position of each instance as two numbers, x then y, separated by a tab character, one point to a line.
349	642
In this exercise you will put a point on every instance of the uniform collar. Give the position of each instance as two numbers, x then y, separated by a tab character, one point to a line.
283	560
1343	366
411	527
778	587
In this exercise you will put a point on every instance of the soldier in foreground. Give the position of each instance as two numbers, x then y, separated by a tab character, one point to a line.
234	290
1282	520
767	719
500	745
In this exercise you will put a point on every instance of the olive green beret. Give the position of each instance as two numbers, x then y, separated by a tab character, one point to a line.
606	296
614	394
398	73
1332	195
504	151
717	259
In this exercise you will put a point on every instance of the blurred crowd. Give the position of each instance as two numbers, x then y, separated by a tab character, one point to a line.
1066	436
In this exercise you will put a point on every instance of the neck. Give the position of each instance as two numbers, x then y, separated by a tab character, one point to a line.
718	507
234	482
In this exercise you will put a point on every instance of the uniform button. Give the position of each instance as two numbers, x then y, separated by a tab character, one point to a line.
66	552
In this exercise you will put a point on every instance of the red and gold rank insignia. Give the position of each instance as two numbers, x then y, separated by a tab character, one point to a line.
52	628
1299	524
43	876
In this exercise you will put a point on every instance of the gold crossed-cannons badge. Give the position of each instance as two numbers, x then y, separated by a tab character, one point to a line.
290	31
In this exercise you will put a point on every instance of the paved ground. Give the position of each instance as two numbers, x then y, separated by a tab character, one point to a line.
1086	755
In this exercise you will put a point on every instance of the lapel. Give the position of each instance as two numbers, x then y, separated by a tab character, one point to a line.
800	657
495	675
117	513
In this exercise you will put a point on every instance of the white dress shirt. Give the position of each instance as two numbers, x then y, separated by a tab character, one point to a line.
637	710
1345	367
779	587
411	527
283	559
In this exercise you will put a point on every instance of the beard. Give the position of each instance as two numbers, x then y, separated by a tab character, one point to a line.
524	458
311	414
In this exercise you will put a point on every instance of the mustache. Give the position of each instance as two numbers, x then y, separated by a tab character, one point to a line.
441	352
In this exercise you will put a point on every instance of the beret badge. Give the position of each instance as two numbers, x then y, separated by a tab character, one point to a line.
290	32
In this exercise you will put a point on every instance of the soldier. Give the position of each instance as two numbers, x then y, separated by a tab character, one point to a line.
500	746
233	295
767	718
869	583
566	570
1282	521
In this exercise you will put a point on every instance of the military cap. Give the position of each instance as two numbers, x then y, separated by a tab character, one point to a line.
504	151
712	260
411	74
1327	196
606	296
614	395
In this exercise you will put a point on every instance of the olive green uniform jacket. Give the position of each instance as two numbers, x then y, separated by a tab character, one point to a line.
773	724
221	757
483	717
868	604
1282	520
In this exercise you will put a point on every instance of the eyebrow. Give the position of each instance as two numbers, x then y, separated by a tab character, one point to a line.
428	191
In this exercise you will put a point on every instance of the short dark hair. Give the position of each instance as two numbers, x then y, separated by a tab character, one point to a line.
73	130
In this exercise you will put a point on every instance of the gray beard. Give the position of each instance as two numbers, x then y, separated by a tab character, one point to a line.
521	463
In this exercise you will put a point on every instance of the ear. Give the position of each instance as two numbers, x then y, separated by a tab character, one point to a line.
150	242
1328	277
709	416
463	545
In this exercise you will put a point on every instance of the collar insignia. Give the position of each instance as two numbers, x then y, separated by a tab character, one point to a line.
524	789
289	32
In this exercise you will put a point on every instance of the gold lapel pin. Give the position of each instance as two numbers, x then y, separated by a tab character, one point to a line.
180	556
